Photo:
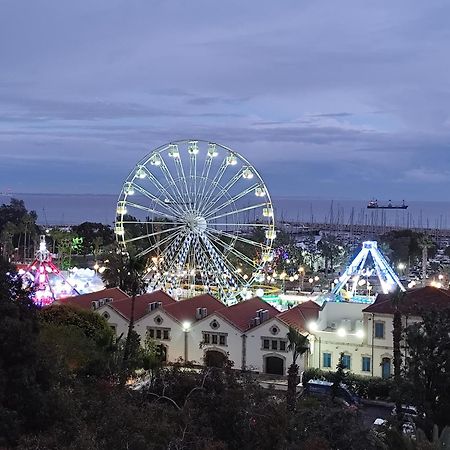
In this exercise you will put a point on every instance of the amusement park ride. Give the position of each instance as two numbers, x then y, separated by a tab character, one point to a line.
358	273
45	279
199	205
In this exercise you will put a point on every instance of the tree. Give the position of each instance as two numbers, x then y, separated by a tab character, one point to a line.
135	269
329	247
19	359
93	234
397	298
425	243
92	325
339	376
428	367
298	345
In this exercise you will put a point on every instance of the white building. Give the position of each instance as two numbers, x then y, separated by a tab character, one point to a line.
252	334
364	333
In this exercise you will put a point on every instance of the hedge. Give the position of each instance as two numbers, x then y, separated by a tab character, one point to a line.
373	388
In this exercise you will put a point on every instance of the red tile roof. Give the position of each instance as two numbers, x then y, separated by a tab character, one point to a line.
242	313
85	300
184	310
299	316
141	307
427	297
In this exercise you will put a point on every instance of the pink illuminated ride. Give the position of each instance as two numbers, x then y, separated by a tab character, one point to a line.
46	280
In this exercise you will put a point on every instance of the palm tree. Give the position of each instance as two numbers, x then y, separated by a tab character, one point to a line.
298	345
134	268
425	243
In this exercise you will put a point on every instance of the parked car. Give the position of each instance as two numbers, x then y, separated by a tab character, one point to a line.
325	389
406	411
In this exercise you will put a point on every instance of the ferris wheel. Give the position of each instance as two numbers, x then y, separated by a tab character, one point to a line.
203	217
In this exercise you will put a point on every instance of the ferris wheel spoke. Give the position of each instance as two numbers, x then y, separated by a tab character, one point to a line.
152	210
205	174
180	256
171	182
152	222
155	199
241	224
158	244
160	187
219	260
238	211
182	178
231	271
156	233
170	248
238	238
211	188
230	201
168	254
233	250
223	191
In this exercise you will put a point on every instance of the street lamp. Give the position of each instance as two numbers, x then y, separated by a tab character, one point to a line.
186	328
301	271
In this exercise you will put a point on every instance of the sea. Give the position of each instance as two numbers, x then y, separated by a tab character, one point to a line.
73	209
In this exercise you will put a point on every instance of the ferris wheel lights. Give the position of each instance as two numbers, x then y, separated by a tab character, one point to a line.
212	150
173	151
268	212
128	188
231	159
247	173
155	159
193	147
140	172
260	191
119	230
121	208
245	276
271	234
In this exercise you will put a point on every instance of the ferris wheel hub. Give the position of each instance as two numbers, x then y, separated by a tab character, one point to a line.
195	223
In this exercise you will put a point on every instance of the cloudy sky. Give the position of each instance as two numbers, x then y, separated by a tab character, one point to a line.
336	99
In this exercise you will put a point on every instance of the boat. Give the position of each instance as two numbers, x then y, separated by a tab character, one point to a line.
373	204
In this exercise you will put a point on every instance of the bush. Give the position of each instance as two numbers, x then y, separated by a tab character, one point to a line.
373	388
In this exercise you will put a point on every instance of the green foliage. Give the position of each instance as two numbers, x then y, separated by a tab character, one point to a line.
405	245
91	324
19	361
93	236
428	366
298	345
18	229
124	271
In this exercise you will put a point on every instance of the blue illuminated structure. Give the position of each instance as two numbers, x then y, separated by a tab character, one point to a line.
345	289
